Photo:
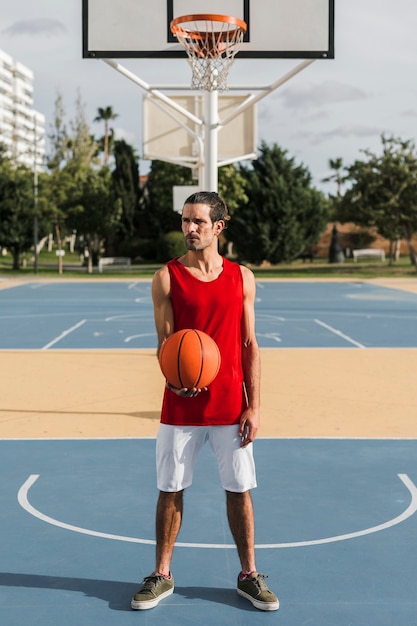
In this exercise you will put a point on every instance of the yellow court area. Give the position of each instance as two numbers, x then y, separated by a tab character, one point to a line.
305	393
117	393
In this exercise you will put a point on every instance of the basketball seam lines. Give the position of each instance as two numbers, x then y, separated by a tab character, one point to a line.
202	358
179	360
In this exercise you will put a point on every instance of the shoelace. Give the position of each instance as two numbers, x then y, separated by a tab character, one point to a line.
259	581
149	581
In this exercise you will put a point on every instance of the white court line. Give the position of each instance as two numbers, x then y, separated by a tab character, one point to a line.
64	334
338	332
128	339
129	317
275	336
22	498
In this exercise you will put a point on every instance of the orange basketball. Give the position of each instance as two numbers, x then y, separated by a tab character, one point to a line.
189	358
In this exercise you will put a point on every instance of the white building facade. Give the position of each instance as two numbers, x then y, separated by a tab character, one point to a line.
22	129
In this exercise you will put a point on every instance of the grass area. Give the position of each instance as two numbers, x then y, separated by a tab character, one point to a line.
349	269
72	268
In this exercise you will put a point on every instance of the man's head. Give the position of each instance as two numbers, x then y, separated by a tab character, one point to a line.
218	207
204	216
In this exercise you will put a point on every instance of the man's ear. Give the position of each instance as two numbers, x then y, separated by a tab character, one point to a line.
219	226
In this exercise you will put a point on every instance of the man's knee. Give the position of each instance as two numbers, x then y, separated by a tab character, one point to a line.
170	496
238	498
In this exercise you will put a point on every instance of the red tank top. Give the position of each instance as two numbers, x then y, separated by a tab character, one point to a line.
216	308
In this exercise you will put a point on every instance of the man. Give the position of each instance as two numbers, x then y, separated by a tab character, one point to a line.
203	290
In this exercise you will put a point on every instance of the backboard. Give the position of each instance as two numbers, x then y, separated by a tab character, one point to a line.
141	28
168	135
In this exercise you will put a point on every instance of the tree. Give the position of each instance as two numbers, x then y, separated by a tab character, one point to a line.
125	178
79	195
232	187
284	215
383	192
339	178
106	115
158	214
58	137
88	209
82	147
17	209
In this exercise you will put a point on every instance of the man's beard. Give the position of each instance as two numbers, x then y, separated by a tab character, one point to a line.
193	244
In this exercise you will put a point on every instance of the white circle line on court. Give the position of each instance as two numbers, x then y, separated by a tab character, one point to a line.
22	498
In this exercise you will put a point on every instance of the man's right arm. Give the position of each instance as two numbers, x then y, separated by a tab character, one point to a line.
162	305
164	318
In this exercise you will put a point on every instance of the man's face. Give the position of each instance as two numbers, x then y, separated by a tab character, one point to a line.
197	227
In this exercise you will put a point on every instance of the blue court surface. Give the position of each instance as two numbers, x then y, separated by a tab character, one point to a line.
336	521
97	315
336	533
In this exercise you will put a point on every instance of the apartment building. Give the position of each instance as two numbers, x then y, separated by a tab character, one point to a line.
22	129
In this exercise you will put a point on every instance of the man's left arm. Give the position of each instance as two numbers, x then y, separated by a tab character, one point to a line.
250	420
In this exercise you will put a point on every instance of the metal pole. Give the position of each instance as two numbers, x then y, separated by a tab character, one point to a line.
208	171
211	127
35	202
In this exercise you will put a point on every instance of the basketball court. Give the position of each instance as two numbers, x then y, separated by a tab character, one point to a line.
336	460
81	388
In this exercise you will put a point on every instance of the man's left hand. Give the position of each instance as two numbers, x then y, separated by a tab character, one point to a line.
248	427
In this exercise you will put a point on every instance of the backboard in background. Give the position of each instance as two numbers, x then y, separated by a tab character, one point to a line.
141	28
168	135
180	193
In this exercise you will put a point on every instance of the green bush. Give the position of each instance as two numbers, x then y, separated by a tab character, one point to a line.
171	245
137	248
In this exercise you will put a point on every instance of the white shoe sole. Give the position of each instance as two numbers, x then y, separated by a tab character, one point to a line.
262	606
139	605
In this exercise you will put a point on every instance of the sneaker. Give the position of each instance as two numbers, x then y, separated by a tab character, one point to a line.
255	589
154	589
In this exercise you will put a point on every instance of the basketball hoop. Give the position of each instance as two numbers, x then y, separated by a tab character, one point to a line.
211	42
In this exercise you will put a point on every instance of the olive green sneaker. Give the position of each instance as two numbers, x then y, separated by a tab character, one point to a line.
154	589
255	589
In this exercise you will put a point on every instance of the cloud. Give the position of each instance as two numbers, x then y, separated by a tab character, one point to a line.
126	135
267	114
41	26
320	94
343	132
409	113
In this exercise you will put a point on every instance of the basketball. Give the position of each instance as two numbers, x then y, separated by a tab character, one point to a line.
189	358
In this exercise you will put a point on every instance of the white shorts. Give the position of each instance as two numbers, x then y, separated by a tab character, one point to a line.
178	448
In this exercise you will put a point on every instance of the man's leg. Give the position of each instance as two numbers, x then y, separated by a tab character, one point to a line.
250	584
168	524
173	476
160	584
241	521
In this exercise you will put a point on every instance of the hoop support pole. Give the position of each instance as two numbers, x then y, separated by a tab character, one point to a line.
211	129
210	124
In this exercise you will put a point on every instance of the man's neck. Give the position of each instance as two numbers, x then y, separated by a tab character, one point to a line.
202	265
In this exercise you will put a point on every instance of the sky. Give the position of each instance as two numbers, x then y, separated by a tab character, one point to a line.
332	109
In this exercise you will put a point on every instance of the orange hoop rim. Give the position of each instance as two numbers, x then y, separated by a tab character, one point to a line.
177	28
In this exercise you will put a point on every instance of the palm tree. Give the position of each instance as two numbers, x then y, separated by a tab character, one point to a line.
335	252
337	166
106	115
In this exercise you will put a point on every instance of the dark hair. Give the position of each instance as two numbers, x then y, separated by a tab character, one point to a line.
218	207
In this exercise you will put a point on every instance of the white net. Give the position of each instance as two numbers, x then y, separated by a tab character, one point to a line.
211	43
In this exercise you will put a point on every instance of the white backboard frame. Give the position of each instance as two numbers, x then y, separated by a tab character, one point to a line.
140	28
